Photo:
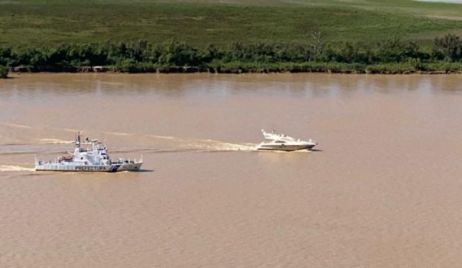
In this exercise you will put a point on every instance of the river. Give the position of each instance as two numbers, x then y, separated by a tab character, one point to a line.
382	190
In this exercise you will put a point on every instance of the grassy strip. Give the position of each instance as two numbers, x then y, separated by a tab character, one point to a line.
39	23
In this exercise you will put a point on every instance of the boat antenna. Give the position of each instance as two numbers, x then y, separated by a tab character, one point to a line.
77	143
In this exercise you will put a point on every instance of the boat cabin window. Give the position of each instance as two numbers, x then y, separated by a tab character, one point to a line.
280	141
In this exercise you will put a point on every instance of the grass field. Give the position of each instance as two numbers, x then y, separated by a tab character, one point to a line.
38	23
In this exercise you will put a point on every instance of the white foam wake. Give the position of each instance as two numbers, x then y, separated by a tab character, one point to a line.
220	146
164	137
15	125
54	141
119	133
174	144
5	168
204	144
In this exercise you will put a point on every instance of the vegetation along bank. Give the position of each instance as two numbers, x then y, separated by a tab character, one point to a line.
355	36
393	56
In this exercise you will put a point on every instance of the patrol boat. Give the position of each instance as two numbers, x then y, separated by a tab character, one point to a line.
281	142
92	158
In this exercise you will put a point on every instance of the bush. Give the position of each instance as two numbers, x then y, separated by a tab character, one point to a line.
392	68
3	72
448	48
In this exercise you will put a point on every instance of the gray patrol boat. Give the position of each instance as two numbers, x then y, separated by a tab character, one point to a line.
92	158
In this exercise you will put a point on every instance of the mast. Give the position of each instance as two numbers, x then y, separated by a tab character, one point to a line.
77	141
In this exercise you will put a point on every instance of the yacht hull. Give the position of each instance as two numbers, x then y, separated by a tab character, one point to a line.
287	148
129	166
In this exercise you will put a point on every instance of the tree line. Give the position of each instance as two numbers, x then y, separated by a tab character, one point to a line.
391	56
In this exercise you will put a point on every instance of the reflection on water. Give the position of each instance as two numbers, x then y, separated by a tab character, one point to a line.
382	191
217	86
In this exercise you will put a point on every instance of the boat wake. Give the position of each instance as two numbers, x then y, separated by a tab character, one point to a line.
150	143
193	147
218	146
54	141
14	125
177	144
205	145
12	168
119	133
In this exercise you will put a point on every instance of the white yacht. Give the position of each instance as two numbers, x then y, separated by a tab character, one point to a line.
281	142
92	158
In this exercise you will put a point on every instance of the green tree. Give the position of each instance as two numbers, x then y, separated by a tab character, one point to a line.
3	72
448	48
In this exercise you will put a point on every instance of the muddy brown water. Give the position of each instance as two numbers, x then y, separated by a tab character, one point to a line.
383	190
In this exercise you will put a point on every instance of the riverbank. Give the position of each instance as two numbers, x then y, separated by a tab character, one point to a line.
233	37
240	67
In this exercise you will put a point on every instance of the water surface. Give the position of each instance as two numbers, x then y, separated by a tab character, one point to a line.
382	191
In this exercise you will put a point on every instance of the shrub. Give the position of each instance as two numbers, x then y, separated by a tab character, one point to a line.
3	72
